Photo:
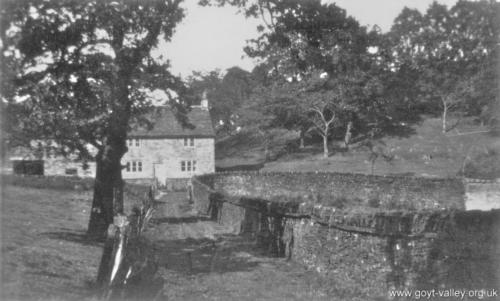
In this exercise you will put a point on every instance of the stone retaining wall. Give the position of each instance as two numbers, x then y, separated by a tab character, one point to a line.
362	251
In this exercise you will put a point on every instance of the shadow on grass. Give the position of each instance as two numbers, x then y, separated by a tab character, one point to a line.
240	167
182	259
231	253
402	174
401	131
73	236
179	220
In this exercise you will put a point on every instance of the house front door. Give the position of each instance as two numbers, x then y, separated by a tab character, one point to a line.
160	173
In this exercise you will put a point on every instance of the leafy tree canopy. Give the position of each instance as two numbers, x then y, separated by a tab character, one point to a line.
80	73
80	69
450	53
302	39
225	93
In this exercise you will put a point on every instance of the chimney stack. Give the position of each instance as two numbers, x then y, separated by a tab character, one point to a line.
204	101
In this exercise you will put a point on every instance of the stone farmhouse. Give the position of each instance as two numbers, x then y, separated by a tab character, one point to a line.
167	153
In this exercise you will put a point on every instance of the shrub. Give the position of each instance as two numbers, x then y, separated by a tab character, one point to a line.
339	202
485	165
374	202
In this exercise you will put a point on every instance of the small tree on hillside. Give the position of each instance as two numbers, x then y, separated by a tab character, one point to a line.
321	106
83	70
322	115
330	102
453	98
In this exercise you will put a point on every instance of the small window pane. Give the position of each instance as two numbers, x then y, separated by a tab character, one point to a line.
137	142
139	166
185	141
71	171
128	166
194	165
191	142
134	166
183	165
188	165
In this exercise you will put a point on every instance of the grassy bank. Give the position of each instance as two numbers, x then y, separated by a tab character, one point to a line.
45	255
425	151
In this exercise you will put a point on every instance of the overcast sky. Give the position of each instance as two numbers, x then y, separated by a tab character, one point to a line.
214	37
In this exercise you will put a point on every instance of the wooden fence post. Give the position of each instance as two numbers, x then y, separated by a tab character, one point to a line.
113	252
120	248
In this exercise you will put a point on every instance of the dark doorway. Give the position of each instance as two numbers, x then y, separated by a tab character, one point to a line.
28	167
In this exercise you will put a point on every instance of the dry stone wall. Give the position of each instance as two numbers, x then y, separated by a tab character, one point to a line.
449	249
389	192
363	251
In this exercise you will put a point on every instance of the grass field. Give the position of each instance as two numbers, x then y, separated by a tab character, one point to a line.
45	255
426	152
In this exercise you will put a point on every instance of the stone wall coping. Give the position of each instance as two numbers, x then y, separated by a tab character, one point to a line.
482	181
256	172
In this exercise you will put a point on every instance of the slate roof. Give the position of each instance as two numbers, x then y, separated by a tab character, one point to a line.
166	125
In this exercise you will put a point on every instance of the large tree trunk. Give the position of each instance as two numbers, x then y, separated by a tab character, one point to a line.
108	189
108	186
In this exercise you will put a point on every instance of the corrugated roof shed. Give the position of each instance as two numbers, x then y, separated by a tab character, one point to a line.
166	125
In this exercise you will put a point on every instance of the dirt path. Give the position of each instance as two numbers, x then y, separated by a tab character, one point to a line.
200	260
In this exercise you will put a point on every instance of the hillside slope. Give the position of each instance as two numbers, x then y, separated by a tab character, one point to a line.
428	152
